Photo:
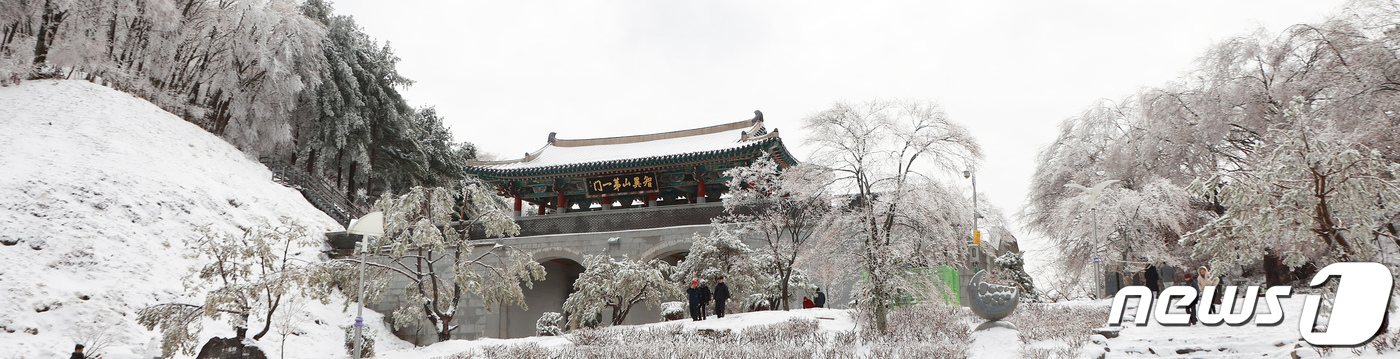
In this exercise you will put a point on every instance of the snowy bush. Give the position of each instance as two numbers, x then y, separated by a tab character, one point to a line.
528	350
367	351
1069	323
795	331
674	310
796	338
1064	352
548	324
934	324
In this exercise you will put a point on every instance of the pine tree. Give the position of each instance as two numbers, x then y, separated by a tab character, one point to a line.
428	227
618	285
245	281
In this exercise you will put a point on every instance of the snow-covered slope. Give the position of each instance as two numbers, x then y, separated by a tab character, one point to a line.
99	191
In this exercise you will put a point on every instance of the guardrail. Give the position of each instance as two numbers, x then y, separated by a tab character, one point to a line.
320	193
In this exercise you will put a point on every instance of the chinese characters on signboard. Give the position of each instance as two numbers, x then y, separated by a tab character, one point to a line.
622	184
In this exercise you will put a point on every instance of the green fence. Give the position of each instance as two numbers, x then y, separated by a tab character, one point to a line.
931	283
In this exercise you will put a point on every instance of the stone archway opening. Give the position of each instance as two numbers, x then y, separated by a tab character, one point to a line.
673	258
641	314
546	296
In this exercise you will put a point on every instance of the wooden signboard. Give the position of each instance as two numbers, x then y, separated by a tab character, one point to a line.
632	183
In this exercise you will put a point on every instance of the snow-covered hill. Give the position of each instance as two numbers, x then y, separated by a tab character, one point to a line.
99	191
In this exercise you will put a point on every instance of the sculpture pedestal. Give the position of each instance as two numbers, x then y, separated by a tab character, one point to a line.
995	324
995	339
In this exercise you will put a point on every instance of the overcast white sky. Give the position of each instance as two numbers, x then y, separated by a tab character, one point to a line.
507	73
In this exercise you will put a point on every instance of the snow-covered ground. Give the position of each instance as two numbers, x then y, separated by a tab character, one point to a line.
829	320
99	191
1224	341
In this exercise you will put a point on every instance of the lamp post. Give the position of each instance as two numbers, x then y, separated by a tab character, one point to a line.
370	225
1098	261
976	233
1094	195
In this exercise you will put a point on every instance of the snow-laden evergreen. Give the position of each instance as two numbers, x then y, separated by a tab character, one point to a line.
616	286
783	207
427	242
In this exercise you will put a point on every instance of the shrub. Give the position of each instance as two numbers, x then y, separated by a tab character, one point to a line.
548	324
365	352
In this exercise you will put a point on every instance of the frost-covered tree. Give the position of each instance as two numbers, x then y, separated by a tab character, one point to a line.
427	242
1316	197
232	67
784	208
1261	117
619	285
883	153
1099	190
245	280
752	275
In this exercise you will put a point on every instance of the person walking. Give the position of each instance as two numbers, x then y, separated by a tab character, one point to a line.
693	296
1150	276
721	295
1191	307
1168	275
820	300
705	297
1206	280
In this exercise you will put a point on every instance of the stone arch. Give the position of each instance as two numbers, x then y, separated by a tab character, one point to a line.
562	267
671	252
552	253
665	249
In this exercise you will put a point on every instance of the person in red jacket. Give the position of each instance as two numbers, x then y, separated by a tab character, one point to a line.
808	303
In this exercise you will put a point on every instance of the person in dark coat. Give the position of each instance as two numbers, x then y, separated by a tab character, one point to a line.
78	353
1191	307
1150	276
820	300
693	296
705	297
721	295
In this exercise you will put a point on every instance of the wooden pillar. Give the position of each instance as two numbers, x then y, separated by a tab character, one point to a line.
651	200
517	206
699	190
562	204
607	203
540	209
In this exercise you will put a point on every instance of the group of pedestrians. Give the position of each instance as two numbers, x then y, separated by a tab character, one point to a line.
819	302
700	296
1198	280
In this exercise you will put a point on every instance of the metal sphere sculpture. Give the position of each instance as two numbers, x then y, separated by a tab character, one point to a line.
990	301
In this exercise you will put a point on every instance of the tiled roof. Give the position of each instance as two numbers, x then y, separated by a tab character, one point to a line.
565	153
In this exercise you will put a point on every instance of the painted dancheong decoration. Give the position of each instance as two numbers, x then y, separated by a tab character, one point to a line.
990	301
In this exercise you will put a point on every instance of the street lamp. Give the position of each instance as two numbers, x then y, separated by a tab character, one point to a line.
370	225
1095	193
976	233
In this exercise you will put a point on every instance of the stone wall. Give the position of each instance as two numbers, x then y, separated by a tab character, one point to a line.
558	252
